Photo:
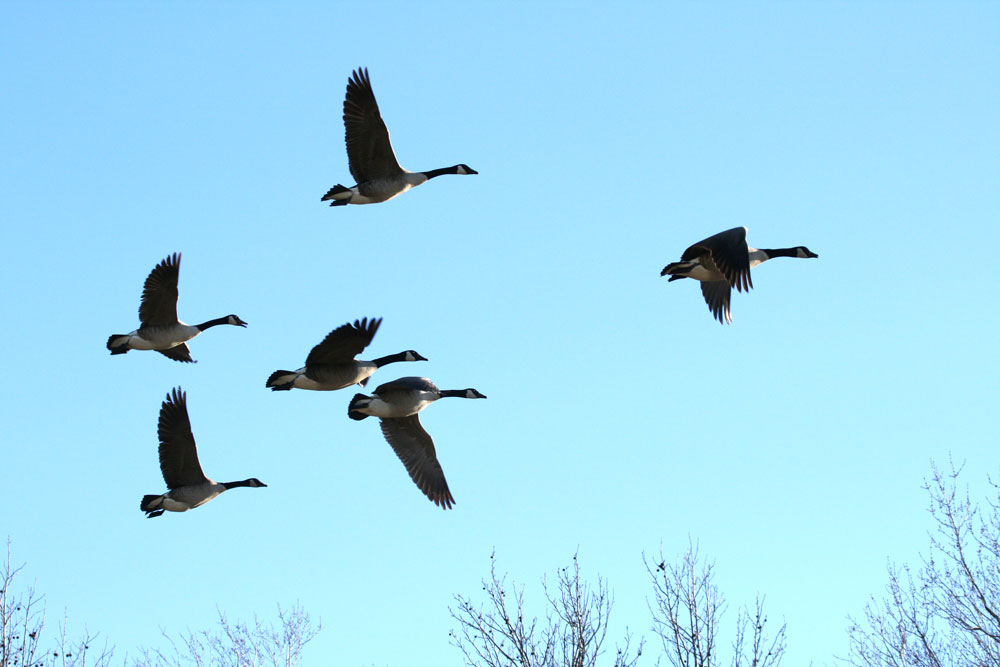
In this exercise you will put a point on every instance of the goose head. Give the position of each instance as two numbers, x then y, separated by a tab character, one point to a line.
254	482
413	355
804	252
464	170
235	321
472	393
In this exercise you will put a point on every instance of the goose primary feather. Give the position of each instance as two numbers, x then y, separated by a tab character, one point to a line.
331	364
189	487
722	262
396	404
370	156
159	328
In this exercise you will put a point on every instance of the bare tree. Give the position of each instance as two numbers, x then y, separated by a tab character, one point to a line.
762	651
946	611
497	634
687	607
22	630
22	643
239	644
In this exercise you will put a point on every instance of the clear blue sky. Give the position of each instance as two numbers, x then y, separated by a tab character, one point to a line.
792	443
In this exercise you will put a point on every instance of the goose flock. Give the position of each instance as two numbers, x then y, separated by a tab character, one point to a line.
720	263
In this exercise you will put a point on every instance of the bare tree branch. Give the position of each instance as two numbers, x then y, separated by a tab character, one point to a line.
686	610
944	613
238	644
22	630
496	633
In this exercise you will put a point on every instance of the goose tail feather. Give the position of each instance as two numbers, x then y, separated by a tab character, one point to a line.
118	343
280	380
359	401
334	191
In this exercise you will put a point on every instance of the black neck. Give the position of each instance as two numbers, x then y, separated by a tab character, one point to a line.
439	172
457	393
391	359
780	252
233	485
212	323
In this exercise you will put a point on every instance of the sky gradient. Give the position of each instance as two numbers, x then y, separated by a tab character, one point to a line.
791	444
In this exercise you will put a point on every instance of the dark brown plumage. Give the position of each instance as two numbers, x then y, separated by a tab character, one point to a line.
369	150
158	306
415	448
345	342
729	253
178	452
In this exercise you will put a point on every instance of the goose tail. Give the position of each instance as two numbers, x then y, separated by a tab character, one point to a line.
339	194
118	343
359	401
152	505
281	380
676	270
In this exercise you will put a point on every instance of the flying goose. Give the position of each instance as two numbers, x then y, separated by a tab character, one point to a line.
369	152
189	488
396	404
722	262
331	364
160	329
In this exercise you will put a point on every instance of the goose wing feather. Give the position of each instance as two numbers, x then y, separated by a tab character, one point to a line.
345	342
728	251
716	293
159	293
369	151
178	452
415	448
178	353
